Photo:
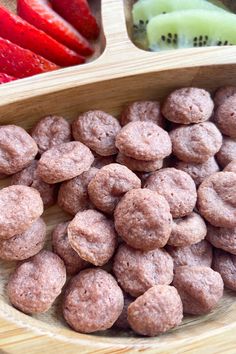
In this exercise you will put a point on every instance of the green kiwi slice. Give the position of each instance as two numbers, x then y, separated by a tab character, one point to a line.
191	28
144	10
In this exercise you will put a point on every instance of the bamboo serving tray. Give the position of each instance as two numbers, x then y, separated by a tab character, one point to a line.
119	73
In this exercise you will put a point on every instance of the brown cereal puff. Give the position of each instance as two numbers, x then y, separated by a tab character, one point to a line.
64	162
225	117
177	187
36	283
98	131
137	271
101	161
93	301
139	165
187	230
221	237
73	194
29	177
51	131
217	199
143	141
199	254
200	288
223	93
25	245
122	321
143	219
17	149
92	236
62	247
225	264
227	152
197	171
231	167
110	184
20	206
145	111
188	105
143	177
196	142
158	310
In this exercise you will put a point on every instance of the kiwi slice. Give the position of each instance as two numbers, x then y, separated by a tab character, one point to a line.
191	28
144	10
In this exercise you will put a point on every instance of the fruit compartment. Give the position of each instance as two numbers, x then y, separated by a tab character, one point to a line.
128	5
48	331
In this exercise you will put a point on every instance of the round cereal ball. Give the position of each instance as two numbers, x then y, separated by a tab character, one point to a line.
137	271
198	171
17	149
92	236
200	288
225	115
122	321
98	131
199	254
101	161
139	165
64	162
188	230
143	141
225	264
143	176
231	167
222	237
20	207
177	187
73	194
110	184
217	199
197	142
93	301
144	111
143	219
223	93
227	152
61	246
51	131
188	105
29	177
158	310
25	245
36	283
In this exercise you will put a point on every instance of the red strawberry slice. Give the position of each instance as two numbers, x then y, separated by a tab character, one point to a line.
4	78
78	13
27	36
19	62
40	14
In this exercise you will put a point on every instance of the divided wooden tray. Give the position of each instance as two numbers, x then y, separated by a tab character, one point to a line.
120	74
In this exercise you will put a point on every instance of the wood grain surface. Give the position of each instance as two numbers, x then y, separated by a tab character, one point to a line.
121	74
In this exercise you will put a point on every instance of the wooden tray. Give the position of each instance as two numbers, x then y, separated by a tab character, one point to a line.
122	73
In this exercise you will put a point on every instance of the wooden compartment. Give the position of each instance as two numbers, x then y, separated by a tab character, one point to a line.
122	73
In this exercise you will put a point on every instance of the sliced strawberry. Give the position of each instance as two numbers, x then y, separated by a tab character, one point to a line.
40	14
27	36
19	62
4	78
78	13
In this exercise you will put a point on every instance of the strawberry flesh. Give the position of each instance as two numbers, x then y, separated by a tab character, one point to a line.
27	36
4	78
78	13
40	14
20	62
